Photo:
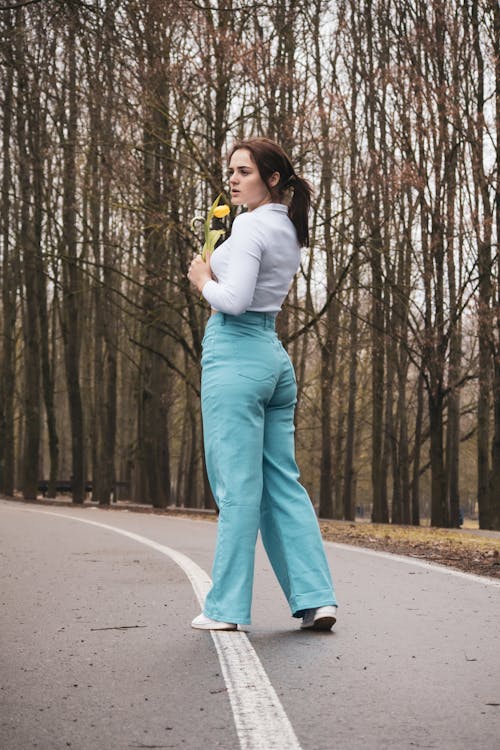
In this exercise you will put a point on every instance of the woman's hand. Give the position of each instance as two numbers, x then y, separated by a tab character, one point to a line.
199	272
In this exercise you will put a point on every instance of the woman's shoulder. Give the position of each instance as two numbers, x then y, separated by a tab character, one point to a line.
247	224
242	219
264	227
264	218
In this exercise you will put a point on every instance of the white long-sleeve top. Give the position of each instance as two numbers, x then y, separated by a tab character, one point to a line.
255	266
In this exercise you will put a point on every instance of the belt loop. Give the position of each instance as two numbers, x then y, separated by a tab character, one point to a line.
223	319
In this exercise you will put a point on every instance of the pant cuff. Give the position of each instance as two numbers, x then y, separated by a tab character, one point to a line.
214	615
301	602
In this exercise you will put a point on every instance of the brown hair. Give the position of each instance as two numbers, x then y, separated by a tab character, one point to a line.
270	158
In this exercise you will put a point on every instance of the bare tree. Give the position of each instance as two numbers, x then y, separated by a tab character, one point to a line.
9	274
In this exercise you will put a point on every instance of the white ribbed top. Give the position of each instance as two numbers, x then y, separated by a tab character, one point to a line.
255	266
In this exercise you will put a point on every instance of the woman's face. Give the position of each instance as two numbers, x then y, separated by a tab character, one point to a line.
245	182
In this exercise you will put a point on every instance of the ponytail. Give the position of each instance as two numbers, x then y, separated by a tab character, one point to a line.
298	210
270	158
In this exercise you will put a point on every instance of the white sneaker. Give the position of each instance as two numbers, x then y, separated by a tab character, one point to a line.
202	622
321	618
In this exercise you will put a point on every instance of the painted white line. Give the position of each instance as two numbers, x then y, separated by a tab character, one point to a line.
434	567
260	719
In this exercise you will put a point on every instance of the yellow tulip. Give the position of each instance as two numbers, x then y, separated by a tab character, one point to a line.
212	236
221	211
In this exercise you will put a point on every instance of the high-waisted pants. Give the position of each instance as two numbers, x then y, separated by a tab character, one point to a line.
249	394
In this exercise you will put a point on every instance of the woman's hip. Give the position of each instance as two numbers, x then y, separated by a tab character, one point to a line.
241	349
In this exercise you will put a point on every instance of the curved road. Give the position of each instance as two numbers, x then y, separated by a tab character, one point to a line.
96	651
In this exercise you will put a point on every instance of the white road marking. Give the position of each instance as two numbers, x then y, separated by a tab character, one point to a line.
260	719
435	567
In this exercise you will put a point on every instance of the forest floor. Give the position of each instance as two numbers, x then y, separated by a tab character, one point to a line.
468	549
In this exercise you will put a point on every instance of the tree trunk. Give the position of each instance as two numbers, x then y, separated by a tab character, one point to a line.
72	289
9	263
105	367
348	499
27	241
415	484
349	503
153	440
401	315
485	326
494	484
454	324
380	511
439	505
39	146
326	501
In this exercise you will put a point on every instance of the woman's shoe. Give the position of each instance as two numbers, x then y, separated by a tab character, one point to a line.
320	618
202	622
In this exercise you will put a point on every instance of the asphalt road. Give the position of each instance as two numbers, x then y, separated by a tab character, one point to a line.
96	650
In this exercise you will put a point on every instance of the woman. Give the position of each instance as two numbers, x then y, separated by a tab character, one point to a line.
249	393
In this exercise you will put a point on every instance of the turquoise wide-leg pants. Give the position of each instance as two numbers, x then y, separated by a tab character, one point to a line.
248	400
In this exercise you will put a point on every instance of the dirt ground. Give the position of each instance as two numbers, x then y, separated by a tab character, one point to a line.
464	549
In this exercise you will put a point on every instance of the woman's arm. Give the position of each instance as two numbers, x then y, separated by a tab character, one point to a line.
234	295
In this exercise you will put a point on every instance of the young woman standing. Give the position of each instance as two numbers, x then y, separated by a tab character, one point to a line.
248	393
